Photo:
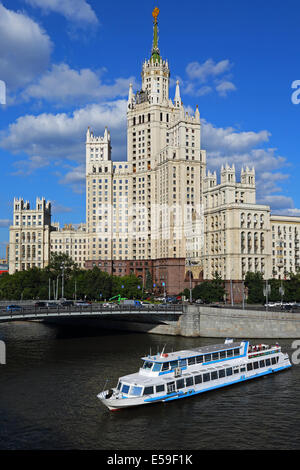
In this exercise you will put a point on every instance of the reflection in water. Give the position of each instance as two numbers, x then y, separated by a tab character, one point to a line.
49	385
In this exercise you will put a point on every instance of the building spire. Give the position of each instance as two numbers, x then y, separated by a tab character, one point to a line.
177	95
155	54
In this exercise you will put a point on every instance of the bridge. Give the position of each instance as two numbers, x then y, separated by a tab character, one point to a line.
183	320
29	312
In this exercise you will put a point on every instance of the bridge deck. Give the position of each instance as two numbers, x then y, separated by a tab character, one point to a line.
29	313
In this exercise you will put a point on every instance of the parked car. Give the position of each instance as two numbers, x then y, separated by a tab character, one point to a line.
67	303
52	305
131	303
82	303
13	308
40	304
147	304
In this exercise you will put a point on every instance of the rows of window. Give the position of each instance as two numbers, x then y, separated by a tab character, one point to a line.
262	363
189	381
216	356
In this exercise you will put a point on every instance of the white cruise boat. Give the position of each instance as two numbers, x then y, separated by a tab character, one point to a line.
181	374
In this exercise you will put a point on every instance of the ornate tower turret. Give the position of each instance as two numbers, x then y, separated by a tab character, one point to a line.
155	73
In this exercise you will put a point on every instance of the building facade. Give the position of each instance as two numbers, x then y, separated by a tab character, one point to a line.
29	236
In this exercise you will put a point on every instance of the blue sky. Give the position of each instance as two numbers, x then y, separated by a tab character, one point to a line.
67	64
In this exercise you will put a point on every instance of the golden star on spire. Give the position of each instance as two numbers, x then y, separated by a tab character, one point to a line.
155	14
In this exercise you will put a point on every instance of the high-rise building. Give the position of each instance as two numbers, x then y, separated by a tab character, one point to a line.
150	206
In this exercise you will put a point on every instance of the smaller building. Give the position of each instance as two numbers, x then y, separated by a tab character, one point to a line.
237	230
285	232
29	236
71	240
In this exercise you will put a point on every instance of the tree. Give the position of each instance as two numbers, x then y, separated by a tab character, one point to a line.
210	291
255	283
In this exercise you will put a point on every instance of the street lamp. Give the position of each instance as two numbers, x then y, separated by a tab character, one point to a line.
62	267
189	263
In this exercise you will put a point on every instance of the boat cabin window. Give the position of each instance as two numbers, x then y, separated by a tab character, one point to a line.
191	361
119	385
262	363
147	365
156	367
229	353
180	383
221	373
214	375
249	366
198	379
160	388
236	352
189	381
125	388
255	365
268	362
148	390
206	377
182	362
215	356
174	364
228	371
222	354
199	359
207	357
165	366
136	391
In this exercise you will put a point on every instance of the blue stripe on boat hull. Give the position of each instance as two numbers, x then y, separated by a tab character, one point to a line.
192	392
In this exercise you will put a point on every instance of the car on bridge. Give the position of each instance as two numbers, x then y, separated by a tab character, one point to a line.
67	303
40	304
13	308
82	303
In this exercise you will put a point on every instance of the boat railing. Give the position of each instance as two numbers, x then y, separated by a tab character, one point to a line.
261	350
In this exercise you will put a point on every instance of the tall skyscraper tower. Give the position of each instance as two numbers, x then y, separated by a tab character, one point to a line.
150	207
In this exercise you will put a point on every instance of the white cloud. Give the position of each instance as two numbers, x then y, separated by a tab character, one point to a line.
208	76
78	11
62	84
25	49
26	167
51	137
220	141
5	223
225	87
209	68
76	178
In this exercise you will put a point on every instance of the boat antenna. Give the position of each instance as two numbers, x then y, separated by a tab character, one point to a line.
105	385
163	350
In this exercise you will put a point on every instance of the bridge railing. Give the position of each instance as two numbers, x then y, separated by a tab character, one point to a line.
92	308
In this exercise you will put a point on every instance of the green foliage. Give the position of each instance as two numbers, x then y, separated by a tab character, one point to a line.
88	284
255	284
210	291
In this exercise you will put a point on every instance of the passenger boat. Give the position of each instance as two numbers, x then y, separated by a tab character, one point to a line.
171	376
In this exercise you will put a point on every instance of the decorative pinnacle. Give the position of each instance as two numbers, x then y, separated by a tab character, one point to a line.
155	14
155	51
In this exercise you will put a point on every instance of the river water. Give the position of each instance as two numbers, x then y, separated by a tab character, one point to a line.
49	384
